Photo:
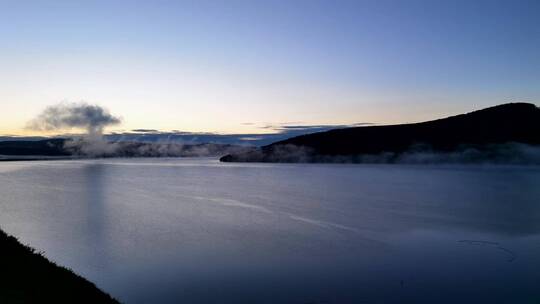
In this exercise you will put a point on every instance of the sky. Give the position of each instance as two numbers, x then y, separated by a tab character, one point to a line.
240	66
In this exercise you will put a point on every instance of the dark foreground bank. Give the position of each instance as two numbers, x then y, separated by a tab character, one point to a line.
28	277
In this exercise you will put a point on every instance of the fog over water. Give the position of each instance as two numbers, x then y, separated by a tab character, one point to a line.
199	231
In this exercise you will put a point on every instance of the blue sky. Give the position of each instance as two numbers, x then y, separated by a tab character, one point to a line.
237	66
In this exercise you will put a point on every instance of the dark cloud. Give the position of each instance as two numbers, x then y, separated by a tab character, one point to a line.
145	131
65	116
284	127
20	138
281	132
284	131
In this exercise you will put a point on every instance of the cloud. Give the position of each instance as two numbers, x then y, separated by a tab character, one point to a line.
281	132
67	116
288	127
91	118
286	130
145	131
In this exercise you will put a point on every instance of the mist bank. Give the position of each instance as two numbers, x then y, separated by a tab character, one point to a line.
508	133
93	119
83	147
508	153
91	147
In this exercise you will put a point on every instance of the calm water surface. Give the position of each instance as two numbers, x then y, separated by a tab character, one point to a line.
199	231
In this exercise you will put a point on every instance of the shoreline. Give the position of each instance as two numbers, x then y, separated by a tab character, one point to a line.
29	277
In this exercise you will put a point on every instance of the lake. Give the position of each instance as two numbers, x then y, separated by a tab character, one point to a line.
200	231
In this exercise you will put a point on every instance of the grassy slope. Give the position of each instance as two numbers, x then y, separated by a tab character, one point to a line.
28	277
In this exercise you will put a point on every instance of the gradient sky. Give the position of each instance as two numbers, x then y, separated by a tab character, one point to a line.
233	66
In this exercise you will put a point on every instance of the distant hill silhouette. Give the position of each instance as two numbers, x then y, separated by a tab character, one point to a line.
59	147
46	147
487	133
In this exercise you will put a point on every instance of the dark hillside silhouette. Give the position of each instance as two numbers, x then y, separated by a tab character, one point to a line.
507	123
46	147
28	277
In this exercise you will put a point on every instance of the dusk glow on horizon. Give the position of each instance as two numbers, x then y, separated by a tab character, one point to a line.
270	151
238	66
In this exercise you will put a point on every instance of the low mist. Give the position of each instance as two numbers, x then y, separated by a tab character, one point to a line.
507	153
94	119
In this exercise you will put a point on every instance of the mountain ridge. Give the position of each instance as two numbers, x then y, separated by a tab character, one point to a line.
480	130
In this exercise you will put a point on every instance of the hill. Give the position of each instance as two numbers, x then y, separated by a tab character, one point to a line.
28	277
498	133
45	147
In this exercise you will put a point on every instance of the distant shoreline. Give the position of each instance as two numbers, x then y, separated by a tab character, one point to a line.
4	158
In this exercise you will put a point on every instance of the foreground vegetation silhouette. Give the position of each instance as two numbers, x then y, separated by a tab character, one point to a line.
28	277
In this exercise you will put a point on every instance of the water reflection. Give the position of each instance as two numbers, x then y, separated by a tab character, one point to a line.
161	231
96	218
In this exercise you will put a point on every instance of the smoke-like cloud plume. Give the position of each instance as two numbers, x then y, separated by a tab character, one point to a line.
94	119
67	116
